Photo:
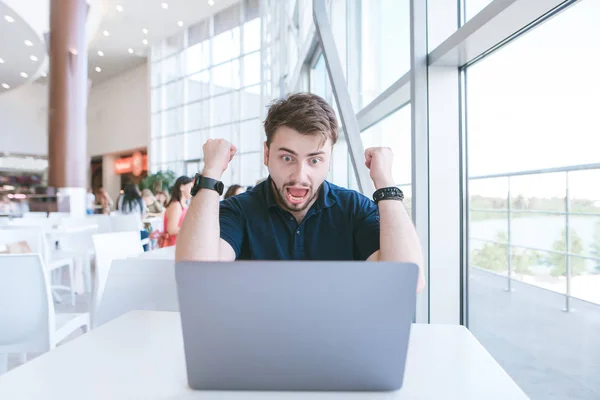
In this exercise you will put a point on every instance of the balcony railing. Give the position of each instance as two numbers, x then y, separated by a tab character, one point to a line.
562	196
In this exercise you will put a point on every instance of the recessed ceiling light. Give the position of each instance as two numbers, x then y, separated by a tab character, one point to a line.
98	69
1	61
145	42
100	53
145	31
44	74
24	75
33	58
6	86
105	33
211	2
28	43
8	18
119	8
180	23
165	6
130	50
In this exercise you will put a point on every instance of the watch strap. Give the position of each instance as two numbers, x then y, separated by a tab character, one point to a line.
388	193
203	182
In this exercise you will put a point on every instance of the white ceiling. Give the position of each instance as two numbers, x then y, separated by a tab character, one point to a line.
125	30
13	51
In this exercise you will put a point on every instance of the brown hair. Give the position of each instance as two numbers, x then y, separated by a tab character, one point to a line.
307	113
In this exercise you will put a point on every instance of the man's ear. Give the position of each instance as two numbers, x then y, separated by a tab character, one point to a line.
266	154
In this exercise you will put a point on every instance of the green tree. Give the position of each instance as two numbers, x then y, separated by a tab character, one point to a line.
596	246
166	179
494	257
558	261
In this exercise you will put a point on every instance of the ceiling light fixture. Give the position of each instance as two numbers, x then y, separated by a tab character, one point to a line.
119	8
130	50
106	33
8	18
44	74
33	58
165	6
180	23
145	42
28	43
24	75
6	86
211	2
145	31
100	53
98	69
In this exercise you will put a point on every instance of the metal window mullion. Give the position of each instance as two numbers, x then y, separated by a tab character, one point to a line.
342	97
420	142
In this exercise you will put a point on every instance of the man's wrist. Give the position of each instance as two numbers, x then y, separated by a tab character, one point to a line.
383	183
212	173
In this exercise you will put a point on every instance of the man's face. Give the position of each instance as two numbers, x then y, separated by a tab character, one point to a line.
298	165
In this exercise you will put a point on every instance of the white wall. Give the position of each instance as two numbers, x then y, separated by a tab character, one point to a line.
119	113
118	116
24	120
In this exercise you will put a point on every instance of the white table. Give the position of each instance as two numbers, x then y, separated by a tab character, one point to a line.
167	253
140	356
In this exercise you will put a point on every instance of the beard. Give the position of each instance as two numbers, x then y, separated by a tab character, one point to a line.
282	200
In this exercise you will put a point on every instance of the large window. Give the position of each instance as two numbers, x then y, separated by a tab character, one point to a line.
534	219
208	85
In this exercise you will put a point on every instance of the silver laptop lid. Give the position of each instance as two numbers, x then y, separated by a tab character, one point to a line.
272	325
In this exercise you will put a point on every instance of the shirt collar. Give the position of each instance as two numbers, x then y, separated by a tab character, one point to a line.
325	199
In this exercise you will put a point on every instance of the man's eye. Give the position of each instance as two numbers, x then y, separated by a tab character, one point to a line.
287	158
314	161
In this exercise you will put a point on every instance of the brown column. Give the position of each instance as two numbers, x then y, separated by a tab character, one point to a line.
68	89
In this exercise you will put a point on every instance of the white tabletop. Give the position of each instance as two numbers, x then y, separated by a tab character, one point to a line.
140	356
164	253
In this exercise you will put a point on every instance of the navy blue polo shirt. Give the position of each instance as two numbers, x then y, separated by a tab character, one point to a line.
341	225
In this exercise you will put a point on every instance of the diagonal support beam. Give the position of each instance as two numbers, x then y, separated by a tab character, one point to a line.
342	97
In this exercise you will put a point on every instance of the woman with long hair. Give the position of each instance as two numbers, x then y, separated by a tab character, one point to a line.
176	209
131	201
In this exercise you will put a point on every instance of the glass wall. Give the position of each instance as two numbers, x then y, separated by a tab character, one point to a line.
206	83
534	205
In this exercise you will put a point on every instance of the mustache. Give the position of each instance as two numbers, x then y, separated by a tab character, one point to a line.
297	184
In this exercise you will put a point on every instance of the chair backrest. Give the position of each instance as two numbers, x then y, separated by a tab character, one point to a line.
34	236
26	308
126	222
56	217
109	247
35	214
103	222
136	284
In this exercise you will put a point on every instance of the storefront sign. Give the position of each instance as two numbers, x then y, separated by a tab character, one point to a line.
135	164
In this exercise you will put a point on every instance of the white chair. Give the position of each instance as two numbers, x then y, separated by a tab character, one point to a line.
56	217
137	285
126	223
27	317
103	222
35	214
109	247
36	240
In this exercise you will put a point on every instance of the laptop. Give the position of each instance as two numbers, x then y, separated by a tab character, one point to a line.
296	326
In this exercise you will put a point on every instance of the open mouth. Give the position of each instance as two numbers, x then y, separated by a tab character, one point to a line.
296	195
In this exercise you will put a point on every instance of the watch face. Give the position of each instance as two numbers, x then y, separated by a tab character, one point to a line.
219	186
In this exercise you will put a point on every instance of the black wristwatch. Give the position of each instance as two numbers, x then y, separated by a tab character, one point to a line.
203	182
388	193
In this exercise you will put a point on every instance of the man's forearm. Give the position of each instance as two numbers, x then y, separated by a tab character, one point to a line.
199	235
398	239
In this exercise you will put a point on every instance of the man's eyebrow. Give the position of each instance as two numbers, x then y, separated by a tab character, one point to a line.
292	152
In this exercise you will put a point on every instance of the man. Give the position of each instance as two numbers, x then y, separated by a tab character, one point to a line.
296	214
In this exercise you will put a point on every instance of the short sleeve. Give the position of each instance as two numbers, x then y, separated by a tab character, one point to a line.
366	228
231	224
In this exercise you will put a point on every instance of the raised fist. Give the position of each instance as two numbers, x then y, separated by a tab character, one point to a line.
217	155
